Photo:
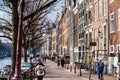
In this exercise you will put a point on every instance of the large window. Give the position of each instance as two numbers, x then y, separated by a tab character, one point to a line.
81	14
105	7
96	11
118	19
100	9
112	23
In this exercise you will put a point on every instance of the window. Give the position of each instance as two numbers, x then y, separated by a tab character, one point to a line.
118	19
100	9
105	7
86	39
81	14
112	23
69	2
89	14
74	2
112	49
111	1
96	11
86	17
118	48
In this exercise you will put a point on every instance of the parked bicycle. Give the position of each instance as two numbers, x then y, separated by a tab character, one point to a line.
113	70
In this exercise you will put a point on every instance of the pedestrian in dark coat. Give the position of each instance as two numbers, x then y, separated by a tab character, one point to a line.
100	70
62	62
58	62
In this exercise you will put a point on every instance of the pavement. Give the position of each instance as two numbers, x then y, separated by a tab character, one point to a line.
55	73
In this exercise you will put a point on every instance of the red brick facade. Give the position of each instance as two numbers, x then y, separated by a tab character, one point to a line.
114	38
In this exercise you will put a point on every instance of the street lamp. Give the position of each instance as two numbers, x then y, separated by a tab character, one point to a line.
99	34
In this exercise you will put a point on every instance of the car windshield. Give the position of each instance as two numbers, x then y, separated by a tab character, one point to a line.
26	65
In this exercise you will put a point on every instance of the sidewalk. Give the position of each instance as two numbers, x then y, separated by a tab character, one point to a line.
55	73
85	74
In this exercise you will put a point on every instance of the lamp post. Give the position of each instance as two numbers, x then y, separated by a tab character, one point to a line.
17	74
99	33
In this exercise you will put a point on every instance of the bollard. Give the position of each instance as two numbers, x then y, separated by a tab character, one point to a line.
67	67
75	69
80	70
70	68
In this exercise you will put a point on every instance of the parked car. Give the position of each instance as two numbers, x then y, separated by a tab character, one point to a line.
25	66
28	70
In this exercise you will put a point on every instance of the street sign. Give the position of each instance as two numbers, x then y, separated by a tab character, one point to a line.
92	43
31	51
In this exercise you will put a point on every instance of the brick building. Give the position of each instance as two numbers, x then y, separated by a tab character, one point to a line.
114	31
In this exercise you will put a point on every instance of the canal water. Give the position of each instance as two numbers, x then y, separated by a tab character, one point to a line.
6	61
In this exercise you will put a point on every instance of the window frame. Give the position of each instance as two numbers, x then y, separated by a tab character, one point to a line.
118	45
111	1
119	19
111	46
113	19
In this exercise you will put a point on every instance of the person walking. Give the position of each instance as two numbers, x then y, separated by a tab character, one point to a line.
62	62
100	70
40	71
58	63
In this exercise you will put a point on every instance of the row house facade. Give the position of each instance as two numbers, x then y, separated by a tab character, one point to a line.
114	31
54	40
70	34
88	28
62	34
75	32
96	29
59	36
48	42
81	30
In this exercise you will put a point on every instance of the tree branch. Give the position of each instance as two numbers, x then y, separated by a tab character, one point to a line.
8	37
37	11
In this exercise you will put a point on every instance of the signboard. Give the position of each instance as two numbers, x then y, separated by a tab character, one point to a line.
31	51
92	43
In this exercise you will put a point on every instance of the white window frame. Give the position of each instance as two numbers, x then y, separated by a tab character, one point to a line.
112	19
119	19
111	46
117	48
111	1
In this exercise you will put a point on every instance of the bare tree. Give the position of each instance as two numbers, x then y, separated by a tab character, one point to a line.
13	6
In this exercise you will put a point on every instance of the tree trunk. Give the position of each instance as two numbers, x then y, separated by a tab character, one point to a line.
25	55
15	32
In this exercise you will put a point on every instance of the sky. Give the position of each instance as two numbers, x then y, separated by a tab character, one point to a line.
58	9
